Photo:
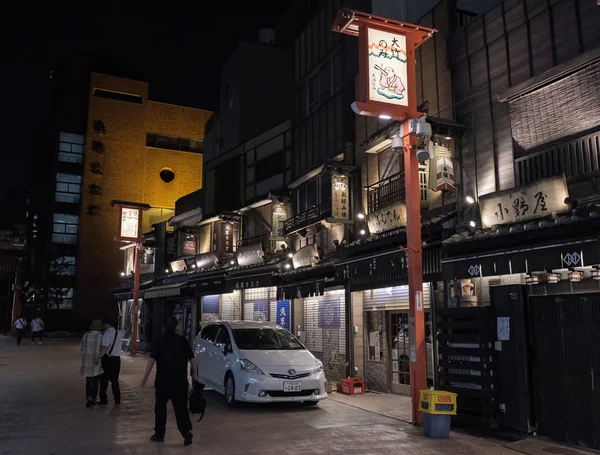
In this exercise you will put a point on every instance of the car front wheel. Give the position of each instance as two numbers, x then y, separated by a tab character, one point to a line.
230	390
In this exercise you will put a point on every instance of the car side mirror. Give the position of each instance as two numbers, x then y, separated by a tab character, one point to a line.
227	349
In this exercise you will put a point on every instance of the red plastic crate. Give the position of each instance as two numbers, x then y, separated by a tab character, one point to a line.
353	386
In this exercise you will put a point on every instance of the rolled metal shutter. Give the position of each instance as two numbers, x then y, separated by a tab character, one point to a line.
394	298
325	331
260	304
231	308
210	309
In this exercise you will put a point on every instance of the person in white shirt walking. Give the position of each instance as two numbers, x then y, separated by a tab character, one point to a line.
37	326
111	363
20	325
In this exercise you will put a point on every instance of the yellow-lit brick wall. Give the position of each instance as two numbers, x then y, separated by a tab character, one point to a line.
131	173
176	120
188	176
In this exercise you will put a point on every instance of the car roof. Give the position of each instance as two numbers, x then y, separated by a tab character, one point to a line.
248	324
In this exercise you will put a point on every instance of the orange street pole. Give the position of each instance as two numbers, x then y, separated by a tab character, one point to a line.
136	297
414	252
16	307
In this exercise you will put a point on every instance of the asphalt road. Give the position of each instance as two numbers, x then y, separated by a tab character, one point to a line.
43	411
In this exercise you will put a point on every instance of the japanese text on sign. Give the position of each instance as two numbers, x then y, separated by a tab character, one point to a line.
341	196
536	200
129	223
390	217
387	67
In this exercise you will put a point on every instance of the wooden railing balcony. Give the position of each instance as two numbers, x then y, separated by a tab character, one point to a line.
310	216
386	192
575	158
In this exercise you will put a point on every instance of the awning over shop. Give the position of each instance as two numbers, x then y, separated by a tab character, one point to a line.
208	285
250	281
387	268
126	292
540	258
168	290
301	290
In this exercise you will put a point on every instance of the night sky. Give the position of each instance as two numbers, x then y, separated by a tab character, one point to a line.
179	46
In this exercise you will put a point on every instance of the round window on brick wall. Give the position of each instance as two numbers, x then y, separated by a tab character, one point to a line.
167	175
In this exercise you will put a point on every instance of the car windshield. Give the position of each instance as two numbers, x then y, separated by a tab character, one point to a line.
265	339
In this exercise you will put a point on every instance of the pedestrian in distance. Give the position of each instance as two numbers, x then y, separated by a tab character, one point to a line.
20	325
37	328
110	358
171	354
91	369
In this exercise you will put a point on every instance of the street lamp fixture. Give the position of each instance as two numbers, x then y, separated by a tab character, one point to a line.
122	273
166	270
361	216
290	255
472	223
287	266
363	232
470	200
232	262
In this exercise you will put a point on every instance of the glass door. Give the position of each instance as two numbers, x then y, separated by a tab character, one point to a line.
400	348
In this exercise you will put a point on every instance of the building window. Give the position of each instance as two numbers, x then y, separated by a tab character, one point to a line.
167	175
321	86
183	144
117	96
65	228
313	193
70	148
64	265
68	188
60	298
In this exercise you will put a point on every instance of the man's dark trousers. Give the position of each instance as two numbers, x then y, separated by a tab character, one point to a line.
178	394
112	368
20	333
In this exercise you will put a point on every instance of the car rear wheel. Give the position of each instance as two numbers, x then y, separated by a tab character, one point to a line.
230	390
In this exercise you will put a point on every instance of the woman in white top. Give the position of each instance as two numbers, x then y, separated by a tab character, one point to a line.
37	326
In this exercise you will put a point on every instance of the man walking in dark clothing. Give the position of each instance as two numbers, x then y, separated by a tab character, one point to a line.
171	354
111	363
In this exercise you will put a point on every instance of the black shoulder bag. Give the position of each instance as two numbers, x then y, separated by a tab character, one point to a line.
107	355
197	402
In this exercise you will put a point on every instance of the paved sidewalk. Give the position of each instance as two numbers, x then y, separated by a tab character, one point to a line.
42	412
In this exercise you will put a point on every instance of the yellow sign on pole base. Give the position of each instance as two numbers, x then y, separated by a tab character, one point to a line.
437	402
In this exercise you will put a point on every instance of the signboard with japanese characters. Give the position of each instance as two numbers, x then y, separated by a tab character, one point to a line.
249	255
250	282
284	314
306	256
226	238
189	247
387	67
536	200
390	217
130	223
279	216
340	196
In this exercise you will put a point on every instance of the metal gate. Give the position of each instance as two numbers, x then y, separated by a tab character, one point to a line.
566	367
325	331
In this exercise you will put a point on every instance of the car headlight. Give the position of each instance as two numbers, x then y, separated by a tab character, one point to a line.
249	367
318	368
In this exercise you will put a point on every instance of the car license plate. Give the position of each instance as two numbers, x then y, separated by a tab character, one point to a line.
292	387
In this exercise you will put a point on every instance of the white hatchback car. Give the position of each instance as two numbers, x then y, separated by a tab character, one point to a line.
258	362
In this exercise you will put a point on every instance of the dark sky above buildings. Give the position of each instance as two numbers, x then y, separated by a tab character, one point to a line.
180	47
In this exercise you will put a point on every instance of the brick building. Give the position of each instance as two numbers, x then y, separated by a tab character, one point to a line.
129	148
